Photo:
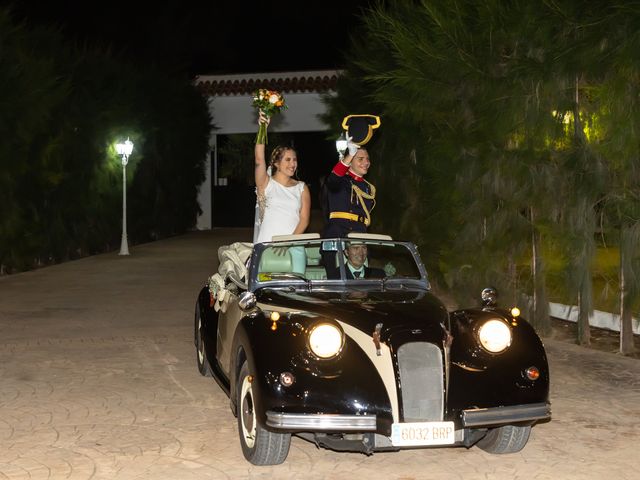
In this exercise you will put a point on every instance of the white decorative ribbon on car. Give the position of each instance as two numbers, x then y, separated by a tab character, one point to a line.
218	292
233	259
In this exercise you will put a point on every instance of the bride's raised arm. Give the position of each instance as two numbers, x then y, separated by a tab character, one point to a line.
260	174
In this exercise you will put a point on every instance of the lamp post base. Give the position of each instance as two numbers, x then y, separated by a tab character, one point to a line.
124	247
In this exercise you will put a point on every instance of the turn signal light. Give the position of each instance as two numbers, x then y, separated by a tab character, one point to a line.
532	373
275	316
287	379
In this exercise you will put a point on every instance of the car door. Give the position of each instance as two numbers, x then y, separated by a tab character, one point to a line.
227	324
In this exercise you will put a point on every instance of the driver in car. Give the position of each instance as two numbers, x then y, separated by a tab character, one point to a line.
355	255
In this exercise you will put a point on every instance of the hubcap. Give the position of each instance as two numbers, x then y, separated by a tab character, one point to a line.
247	413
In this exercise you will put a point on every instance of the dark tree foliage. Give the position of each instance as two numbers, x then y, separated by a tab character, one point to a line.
33	90
174	144
63	109
508	140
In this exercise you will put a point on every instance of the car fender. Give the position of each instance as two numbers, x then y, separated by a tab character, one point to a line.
482	379
348	384
208	314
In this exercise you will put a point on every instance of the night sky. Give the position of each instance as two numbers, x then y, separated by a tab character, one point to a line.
206	37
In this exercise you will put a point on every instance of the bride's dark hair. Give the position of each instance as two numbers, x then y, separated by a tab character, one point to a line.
277	155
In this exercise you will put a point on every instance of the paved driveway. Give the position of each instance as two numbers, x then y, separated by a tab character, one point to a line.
99	381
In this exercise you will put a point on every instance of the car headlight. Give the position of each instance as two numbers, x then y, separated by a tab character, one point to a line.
325	340
494	336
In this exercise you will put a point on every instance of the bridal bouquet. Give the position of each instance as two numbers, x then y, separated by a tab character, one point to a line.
269	102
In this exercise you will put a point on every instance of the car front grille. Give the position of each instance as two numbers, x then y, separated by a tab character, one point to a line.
421	376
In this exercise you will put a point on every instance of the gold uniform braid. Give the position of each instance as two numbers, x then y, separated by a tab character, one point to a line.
361	195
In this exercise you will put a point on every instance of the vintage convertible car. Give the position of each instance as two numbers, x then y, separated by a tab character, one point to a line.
362	364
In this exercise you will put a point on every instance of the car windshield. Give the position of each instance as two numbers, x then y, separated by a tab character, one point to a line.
348	261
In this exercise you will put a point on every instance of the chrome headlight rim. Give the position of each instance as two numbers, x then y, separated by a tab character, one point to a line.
322	332
494	335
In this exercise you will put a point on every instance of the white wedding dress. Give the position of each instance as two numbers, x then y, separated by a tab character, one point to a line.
278	211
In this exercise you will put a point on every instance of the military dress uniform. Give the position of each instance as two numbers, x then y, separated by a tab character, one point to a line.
351	199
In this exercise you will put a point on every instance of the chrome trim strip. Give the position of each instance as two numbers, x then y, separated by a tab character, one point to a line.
313	422
382	363
478	417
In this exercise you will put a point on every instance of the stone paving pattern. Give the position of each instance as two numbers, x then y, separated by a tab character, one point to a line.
99	381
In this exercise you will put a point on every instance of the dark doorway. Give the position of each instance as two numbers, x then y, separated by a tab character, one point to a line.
234	196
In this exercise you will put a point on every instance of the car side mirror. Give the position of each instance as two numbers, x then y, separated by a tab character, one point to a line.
489	297
247	300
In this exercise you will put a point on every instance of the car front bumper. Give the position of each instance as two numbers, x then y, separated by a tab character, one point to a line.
486	417
322	422
477	417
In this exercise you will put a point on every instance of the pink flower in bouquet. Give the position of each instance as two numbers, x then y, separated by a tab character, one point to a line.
269	102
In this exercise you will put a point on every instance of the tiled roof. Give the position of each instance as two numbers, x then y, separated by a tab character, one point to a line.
223	85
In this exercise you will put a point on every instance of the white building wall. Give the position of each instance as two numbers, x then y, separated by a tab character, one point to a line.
205	192
235	114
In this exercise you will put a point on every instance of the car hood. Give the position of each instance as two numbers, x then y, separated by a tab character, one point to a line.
396	310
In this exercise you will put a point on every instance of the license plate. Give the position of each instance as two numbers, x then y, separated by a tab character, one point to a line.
422	433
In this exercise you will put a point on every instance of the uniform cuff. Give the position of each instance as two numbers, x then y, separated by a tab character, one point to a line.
340	169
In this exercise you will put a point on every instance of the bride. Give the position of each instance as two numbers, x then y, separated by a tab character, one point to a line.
283	203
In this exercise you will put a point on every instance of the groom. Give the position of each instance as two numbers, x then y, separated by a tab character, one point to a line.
355	264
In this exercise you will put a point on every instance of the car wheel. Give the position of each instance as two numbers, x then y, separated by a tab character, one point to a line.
259	446
201	353
505	439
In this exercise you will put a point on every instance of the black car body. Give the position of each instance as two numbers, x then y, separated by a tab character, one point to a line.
366	364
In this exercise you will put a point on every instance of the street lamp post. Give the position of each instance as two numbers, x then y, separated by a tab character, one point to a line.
124	150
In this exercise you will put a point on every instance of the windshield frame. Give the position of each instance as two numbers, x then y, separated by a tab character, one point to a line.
254	284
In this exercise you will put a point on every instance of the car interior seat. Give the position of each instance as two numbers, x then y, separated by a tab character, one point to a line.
314	270
272	262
